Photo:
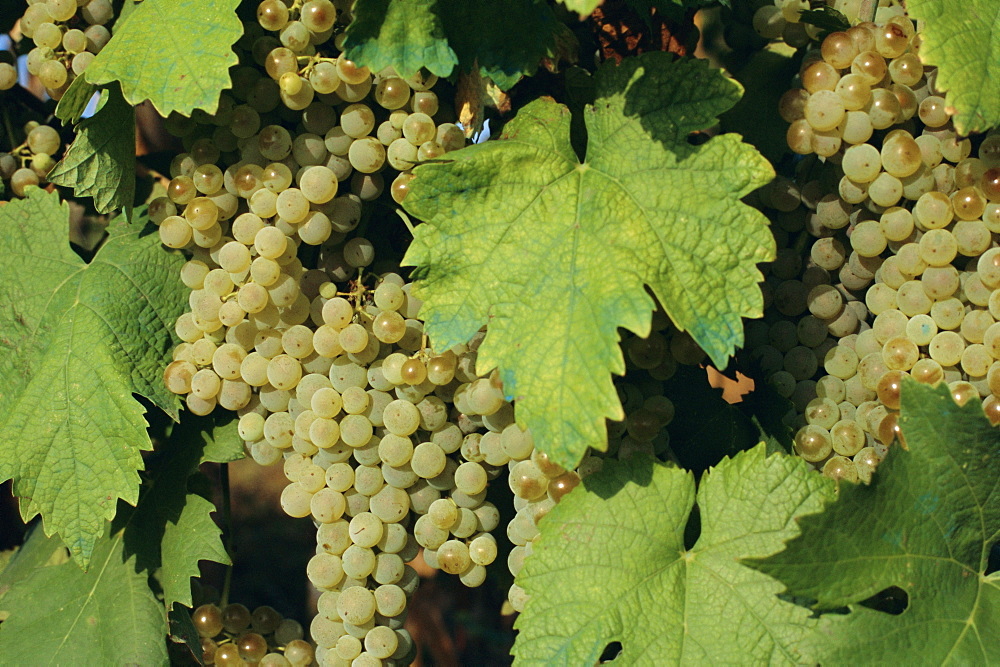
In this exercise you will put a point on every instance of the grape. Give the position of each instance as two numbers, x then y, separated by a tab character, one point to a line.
813	443
885	190
861	163
938	247
946	348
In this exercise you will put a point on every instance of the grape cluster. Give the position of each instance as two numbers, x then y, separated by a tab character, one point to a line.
387	445
29	163
67	34
898	223
232	636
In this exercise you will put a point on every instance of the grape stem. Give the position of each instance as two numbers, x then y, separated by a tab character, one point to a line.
406	220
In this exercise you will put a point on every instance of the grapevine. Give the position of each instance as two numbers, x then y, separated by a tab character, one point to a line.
496	362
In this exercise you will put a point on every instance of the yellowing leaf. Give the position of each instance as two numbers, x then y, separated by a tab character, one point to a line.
554	253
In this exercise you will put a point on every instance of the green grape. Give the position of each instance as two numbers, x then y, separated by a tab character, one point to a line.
921	329
318	185
847	437
392	93
880	298
861	163
940	282
470	478
968	203
799	137
813	443
946	348
857	127
357	120
867	238
865	462
975	325
841	362
901	155
883	109
822	412
938	247
885	190
912	299
824	110
841	468
367	155
900	353
819	76
401	417
854	92
419	128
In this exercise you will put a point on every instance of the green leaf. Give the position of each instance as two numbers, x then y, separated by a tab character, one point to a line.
405	35
100	163
611	565
171	527
75	100
104	616
37	550
960	37
555	254
505	40
175	53
925	525
76	341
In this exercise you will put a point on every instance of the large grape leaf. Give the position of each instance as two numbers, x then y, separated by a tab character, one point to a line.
925	525
961	38
611	566
171	526
62	615
76	340
100	163
37	551
505	40
175	53
555	253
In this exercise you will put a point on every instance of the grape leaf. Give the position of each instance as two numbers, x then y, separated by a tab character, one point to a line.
505	40
37	551
405	35
960	37
75	100
100	163
175	53
925	525
611	565
171	527
519	233
104	616
76	340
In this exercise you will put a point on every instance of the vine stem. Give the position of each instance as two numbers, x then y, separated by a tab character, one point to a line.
227	540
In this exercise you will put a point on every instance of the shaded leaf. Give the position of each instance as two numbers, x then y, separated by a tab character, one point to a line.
100	163
924	525
104	616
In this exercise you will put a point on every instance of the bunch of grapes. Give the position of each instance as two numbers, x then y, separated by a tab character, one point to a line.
232	636
898	222
67	34
30	162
